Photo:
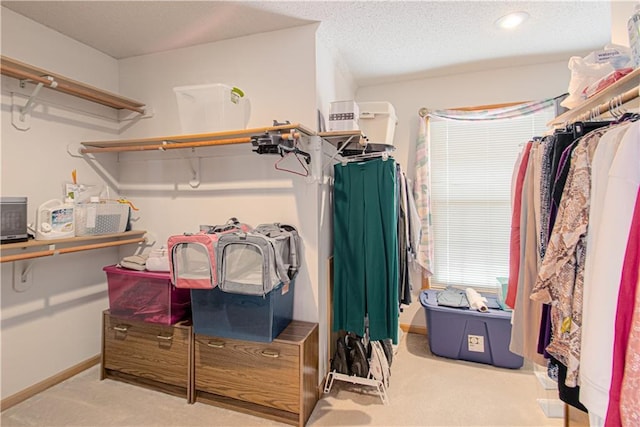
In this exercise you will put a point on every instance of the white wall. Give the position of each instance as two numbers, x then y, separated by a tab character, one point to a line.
276	70
276	91
333	83
291	91
55	322
621	11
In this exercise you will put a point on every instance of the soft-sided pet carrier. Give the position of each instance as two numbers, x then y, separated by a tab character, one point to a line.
255	262
192	257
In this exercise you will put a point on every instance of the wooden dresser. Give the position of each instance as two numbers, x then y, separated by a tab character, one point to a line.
147	354
276	380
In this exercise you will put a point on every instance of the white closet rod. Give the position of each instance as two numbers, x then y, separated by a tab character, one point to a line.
169	187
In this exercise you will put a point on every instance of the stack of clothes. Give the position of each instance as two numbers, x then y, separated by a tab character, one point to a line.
156	260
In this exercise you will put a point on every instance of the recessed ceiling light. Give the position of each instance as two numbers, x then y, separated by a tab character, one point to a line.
512	20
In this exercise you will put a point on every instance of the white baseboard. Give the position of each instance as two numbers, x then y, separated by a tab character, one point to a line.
49	382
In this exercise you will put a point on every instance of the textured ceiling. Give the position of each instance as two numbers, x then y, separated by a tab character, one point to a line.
378	41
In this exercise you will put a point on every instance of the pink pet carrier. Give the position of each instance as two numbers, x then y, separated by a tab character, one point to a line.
192	257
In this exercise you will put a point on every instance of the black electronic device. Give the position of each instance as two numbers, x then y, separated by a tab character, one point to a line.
13	213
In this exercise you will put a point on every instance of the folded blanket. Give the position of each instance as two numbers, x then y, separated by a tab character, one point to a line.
452	297
134	262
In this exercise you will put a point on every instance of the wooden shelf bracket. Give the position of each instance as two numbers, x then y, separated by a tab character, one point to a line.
21	115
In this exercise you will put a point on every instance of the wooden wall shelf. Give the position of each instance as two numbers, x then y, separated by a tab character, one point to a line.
19	70
242	136
68	245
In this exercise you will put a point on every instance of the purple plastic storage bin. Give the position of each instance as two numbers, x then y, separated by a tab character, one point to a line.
146	296
465	334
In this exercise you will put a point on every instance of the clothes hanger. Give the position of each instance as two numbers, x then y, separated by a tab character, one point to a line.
364	156
622	114
295	151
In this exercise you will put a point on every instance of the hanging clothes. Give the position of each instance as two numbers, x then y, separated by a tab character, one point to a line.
526	315
515	238
415	226
546	187
407	241
366	248
603	283
537	203
553	181
586	194
556	175
622	350
630	389
561	275
602	161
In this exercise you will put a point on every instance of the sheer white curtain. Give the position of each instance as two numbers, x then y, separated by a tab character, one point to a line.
422	196
464	187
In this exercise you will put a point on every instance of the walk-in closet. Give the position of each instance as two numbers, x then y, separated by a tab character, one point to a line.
319	213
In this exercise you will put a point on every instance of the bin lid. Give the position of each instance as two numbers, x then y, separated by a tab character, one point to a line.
161	275
428	299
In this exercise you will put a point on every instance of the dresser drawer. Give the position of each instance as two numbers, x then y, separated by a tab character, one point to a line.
147	350
267	374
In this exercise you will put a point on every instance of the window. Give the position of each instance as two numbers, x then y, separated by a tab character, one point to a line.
472	164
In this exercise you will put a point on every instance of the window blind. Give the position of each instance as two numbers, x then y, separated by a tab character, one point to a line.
472	164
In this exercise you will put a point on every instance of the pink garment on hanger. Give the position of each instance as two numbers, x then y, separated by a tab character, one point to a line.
624	404
514	244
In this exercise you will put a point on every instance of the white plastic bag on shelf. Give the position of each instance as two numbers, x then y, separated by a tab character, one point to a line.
158	259
593	67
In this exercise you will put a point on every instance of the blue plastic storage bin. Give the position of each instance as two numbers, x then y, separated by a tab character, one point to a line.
247	317
470	335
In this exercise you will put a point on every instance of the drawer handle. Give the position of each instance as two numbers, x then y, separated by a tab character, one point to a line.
165	337
121	328
270	353
216	344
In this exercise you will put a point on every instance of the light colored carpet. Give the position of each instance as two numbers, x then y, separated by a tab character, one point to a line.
425	390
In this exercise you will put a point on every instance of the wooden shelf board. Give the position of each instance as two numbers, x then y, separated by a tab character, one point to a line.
70	240
199	137
354	138
19	70
628	83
